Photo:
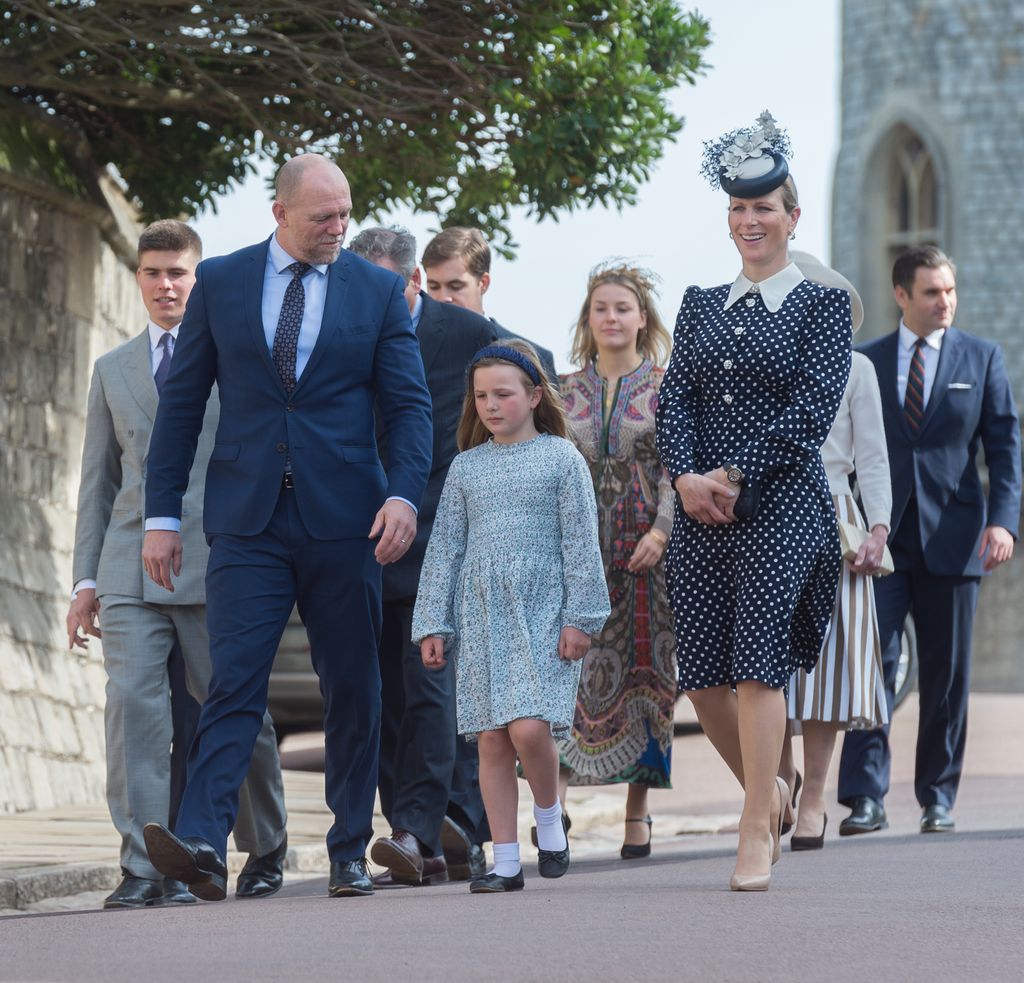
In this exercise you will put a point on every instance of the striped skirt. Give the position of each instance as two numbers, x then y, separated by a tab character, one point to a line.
846	688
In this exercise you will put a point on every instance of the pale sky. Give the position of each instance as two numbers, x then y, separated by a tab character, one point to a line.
782	56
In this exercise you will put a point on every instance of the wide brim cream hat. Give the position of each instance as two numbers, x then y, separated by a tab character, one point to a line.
815	270
749	162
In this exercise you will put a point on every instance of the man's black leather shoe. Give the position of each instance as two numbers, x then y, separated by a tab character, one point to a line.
134	892
350	879
190	860
495	884
937	819
866	816
176	893
466	860
262	876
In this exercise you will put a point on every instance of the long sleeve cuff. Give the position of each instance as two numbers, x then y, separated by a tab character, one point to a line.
84	584
397	498
164	522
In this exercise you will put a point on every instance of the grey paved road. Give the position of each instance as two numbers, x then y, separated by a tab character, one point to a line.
902	908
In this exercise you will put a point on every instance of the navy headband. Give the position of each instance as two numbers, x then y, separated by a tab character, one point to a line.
518	359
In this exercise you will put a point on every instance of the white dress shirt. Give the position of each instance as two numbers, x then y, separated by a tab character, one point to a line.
905	354
774	290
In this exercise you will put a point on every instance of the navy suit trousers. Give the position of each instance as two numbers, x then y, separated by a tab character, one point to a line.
417	735
252	583
943	609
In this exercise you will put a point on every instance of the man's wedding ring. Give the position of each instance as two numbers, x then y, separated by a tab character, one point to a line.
401	540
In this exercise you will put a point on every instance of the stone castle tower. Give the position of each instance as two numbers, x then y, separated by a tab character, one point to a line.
932	151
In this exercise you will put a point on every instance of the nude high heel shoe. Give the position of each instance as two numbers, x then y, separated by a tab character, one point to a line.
783	790
754	882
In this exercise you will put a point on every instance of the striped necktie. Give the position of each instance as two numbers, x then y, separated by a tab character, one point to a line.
913	400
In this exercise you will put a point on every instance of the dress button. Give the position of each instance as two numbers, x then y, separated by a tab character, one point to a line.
738	330
751	302
281	448
727	364
727	399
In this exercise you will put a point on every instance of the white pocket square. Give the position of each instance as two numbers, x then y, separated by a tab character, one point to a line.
961	385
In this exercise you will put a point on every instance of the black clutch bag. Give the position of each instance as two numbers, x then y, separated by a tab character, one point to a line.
748	501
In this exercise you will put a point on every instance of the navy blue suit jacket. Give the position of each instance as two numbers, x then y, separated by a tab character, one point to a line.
449	337
971	403
366	351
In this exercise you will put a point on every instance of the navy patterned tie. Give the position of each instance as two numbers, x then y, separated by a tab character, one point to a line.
163	370
913	400
286	338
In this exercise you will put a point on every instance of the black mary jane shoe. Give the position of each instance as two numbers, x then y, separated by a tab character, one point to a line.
262	876
188	859
350	879
637	851
810	842
554	863
496	884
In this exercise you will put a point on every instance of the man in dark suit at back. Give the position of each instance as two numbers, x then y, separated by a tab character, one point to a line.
305	342
944	393
457	262
418	734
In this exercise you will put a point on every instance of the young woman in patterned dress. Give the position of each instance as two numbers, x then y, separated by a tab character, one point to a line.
757	373
624	710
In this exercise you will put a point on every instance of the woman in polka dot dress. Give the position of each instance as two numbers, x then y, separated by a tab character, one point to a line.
757	373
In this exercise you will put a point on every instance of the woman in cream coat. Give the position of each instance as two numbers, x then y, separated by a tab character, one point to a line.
846	689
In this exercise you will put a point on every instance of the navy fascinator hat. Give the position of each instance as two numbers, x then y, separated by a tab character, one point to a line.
749	162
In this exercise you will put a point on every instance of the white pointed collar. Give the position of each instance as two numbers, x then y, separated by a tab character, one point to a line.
774	290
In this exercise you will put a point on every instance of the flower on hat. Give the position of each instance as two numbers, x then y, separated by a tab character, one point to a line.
727	154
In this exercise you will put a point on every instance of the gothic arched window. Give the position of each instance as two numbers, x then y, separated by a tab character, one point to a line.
914	218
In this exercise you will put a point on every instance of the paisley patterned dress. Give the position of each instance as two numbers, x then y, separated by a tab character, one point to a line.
623	726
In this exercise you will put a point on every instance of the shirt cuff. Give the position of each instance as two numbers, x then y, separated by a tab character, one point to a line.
84	584
398	498
164	522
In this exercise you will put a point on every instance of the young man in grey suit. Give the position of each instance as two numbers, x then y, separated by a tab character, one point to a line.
418	735
141	622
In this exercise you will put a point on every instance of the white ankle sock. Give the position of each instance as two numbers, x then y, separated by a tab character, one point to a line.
506	859
550	834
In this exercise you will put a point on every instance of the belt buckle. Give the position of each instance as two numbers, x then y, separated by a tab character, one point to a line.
289	481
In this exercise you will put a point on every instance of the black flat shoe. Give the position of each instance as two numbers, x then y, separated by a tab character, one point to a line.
797	782
810	842
866	816
190	860
262	876
350	879
637	851
554	863
134	892
495	884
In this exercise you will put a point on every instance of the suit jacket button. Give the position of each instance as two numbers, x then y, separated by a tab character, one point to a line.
131	433
290	407
281	448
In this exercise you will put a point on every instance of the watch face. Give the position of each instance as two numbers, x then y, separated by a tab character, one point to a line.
734	474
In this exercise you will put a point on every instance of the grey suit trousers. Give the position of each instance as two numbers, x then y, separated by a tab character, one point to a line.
137	640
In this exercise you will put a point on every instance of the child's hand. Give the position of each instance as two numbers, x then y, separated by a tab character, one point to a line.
573	644
432	652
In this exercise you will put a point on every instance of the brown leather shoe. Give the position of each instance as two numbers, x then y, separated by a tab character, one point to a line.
435	871
401	853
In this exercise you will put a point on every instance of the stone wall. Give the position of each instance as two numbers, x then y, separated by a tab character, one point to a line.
952	71
67	294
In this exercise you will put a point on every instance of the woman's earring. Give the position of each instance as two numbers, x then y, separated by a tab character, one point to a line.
731	236
792	235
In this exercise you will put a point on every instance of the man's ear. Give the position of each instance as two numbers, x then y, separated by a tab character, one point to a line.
416	279
280	214
902	298
485	282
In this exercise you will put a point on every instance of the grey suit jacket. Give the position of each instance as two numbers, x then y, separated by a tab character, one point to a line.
111	506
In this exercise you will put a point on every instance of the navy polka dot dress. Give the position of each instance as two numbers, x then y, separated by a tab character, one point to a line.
758	390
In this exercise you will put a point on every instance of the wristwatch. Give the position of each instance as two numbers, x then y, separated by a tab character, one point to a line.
734	474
